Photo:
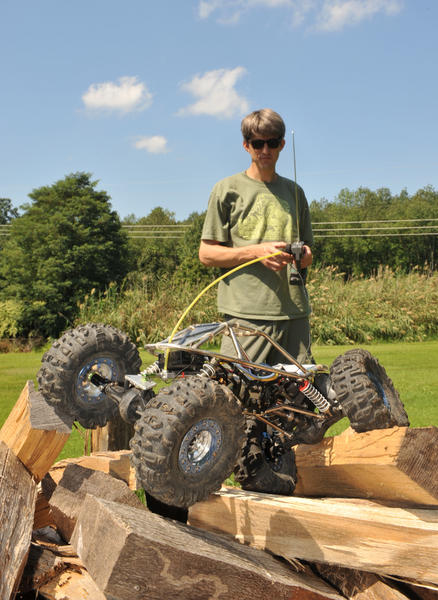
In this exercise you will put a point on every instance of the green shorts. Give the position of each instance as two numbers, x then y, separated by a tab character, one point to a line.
292	334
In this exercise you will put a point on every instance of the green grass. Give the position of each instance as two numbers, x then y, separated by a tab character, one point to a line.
411	366
15	369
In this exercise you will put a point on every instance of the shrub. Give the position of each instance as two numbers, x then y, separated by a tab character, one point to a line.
11	312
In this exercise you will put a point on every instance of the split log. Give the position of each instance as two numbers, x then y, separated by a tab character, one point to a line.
357	534
423	593
17	507
55	572
115	463
114	436
133	554
42	566
43	514
397	465
35	432
358	585
71	584
76	482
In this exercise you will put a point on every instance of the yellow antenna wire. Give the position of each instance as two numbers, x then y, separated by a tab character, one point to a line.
210	285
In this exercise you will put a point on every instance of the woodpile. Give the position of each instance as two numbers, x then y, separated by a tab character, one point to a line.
362	525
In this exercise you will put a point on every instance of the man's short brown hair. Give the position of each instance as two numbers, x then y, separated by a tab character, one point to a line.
264	122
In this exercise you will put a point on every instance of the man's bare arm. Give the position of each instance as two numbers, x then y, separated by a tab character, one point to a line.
215	254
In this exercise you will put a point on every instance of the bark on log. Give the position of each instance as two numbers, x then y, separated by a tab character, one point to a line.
17	507
357	534
35	432
76	482
134	554
397	465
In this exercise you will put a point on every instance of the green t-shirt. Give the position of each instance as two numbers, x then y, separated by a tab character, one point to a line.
242	211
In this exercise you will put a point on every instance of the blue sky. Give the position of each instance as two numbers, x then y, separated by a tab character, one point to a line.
148	96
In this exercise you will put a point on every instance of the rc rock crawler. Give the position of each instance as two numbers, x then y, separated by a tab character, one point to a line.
217	414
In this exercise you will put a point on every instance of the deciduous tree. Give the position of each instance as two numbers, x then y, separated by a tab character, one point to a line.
67	241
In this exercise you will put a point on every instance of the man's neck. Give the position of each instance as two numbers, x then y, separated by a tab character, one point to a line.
265	175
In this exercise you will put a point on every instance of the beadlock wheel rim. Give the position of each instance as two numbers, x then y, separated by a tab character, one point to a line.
200	446
87	392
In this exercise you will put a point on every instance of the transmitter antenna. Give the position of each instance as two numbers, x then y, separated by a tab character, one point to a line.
296	186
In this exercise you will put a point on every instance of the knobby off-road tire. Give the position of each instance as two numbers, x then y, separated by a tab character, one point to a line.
187	440
255	470
63	375
365	392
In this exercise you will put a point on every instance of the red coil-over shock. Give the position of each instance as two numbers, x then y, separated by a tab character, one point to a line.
314	396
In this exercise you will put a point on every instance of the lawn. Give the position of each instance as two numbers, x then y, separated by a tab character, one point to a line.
411	366
413	370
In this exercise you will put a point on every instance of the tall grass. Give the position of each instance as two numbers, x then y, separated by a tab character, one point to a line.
147	312
390	306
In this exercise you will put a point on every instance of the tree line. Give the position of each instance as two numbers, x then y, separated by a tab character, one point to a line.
67	242
378	229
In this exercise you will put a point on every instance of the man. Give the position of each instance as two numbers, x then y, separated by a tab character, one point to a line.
251	215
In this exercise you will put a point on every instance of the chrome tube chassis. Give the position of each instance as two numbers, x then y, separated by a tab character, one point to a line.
312	422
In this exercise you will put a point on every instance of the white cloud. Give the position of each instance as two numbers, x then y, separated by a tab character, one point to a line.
206	7
336	14
300	11
230	11
321	15
216	94
269	3
155	144
125	95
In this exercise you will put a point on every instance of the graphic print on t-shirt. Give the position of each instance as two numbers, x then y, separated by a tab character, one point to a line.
269	220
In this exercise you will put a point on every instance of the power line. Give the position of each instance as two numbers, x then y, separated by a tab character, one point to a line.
367	230
146	232
384	235
380	221
159	226
376	228
177	231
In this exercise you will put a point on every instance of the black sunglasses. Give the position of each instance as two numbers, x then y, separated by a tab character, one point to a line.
259	144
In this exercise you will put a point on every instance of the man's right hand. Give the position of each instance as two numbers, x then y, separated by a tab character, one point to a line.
278	262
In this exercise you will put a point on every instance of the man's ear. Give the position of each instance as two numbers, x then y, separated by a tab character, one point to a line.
246	145
282	144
